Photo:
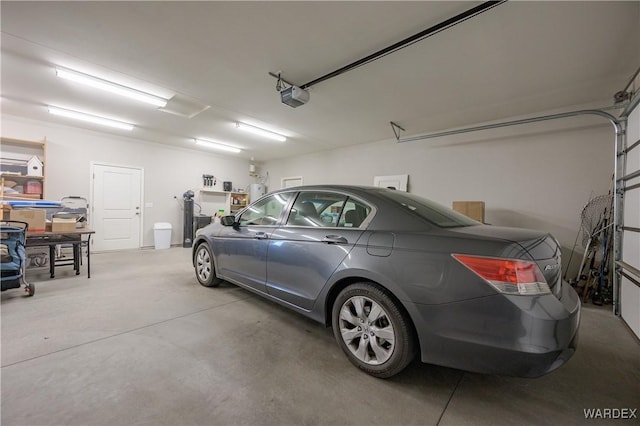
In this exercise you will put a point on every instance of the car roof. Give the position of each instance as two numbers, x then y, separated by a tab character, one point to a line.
349	188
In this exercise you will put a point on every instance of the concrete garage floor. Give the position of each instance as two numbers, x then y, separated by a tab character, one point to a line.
142	343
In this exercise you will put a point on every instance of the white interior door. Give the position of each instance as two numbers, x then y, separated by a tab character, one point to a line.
117	207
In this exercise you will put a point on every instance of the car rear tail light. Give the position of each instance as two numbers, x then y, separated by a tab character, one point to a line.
509	276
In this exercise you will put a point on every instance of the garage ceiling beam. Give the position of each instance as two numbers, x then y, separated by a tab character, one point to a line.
477	10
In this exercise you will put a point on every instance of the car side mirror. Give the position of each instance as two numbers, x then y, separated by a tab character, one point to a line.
228	221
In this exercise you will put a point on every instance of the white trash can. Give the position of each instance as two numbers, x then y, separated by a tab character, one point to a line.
162	235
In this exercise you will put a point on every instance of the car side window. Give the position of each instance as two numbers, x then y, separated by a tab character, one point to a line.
317	209
266	211
354	214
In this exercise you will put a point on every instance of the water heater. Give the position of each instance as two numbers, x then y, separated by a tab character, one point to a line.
256	190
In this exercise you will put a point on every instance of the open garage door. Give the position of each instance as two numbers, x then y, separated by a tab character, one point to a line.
628	267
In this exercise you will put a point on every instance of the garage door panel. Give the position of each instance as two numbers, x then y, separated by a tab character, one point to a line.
629	302
629	289
631	248
632	208
633	135
633	164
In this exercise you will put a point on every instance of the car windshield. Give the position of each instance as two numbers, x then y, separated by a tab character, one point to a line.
430	211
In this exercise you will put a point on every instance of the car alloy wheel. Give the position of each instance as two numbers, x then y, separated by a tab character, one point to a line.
204	267
372	330
366	330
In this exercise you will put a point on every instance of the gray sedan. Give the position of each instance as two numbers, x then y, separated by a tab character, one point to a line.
397	275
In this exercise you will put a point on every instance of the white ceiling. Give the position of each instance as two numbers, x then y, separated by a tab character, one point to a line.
517	58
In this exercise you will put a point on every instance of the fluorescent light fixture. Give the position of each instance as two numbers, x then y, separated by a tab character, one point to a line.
90	118
218	146
109	86
261	132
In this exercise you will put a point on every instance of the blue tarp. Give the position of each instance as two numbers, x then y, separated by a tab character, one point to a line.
33	203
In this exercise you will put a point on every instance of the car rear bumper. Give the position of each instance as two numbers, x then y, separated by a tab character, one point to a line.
524	336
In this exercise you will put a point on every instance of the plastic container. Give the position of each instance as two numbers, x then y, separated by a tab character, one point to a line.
162	235
33	187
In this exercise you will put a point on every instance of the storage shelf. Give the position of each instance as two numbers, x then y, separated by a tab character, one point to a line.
241	198
21	196
213	191
9	176
17	154
229	207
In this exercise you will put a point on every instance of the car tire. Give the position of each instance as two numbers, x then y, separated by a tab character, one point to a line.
203	264
372	330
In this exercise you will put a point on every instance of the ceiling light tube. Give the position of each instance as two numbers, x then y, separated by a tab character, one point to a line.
218	146
109	86
90	118
261	132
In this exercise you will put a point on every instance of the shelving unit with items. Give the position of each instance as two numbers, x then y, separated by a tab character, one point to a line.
212	200
211	197
237	201
22	169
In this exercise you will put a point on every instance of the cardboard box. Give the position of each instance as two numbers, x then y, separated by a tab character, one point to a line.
34	217
79	218
63	225
472	209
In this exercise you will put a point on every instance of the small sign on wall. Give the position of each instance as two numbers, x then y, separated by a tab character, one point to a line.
290	182
398	182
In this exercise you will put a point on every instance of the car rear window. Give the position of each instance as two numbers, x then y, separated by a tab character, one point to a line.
433	212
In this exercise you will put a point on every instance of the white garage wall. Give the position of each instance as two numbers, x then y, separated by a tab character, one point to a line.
168	171
536	176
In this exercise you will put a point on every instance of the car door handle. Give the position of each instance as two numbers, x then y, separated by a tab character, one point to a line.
334	239
260	236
